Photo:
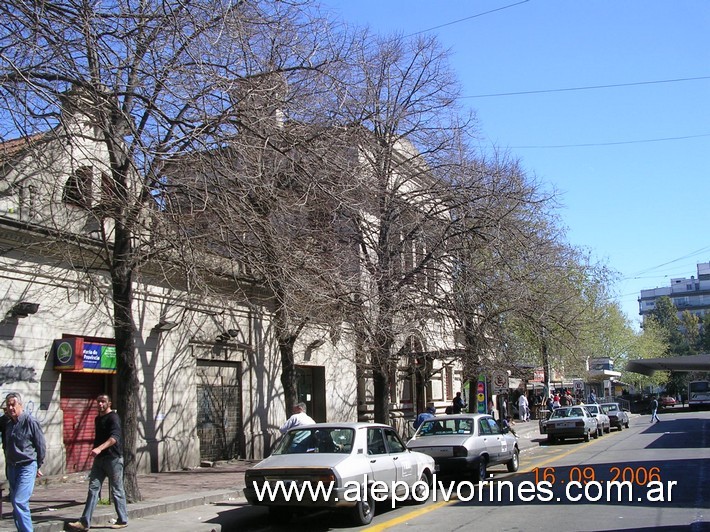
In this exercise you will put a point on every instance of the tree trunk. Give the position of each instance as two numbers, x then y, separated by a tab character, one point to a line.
381	391
288	375
128	384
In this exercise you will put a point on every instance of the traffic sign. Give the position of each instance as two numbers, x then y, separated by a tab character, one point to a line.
499	381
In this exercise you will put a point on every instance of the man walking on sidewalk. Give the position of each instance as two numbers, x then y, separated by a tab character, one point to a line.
25	450
108	462
654	410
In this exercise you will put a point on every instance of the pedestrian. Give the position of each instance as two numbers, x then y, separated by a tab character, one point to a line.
523	409
298	417
556	402
507	424
592	397
25	449
491	408
654	410
427	414
107	452
458	404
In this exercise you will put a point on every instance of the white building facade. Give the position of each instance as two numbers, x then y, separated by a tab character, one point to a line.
691	294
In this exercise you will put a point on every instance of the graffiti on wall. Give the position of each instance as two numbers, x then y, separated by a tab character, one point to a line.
10	374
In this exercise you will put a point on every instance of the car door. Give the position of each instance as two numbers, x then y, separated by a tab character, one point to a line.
503	450
491	442
381	463
405	463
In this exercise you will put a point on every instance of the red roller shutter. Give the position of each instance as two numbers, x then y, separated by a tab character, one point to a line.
78	403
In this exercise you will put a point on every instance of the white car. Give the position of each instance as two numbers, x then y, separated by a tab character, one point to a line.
603	421
466	444
331	458
571	422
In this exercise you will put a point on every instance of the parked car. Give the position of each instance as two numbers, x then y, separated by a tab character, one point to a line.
667	400
618	417
340	455
603	420
466	444
542	422
571	422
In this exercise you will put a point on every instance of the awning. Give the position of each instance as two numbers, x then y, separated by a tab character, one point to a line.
648	366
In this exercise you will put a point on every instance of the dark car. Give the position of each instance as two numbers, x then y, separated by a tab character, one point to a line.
618	417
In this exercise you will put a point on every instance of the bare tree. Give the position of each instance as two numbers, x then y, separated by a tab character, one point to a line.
154	81
400	102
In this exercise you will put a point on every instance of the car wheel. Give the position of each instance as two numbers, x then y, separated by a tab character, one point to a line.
587	435
598	432
627	424
608	429
280	515
551	439
420	490
514	463
481	473
621	427
363	512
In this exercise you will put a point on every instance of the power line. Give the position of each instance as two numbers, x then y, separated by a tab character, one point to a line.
591	144
587	87
466	18
689	255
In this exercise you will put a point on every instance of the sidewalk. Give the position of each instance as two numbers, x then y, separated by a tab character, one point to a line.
58	500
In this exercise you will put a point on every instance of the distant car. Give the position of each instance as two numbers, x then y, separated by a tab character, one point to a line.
341	455
571	422
603	421
466	444
618	417
667	400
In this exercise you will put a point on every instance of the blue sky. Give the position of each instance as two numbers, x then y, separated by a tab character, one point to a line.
630	161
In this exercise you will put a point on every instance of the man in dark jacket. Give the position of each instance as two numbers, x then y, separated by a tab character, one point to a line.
654	410
458	404
108	462
25	449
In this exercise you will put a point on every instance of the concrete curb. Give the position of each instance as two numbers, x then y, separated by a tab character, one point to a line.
103	516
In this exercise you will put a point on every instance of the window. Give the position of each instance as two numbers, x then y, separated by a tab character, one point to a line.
393	442
77	190
375	442
107	187
449	375
495	429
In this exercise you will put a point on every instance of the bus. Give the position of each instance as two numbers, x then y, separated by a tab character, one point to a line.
698	394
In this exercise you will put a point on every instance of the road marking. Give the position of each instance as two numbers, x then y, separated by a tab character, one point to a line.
422	511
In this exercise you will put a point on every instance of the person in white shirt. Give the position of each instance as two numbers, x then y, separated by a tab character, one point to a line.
299	417
523	410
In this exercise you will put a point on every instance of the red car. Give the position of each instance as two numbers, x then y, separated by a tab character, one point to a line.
667	400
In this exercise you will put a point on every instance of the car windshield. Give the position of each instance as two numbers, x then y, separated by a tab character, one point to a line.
316	440
567	412
593	409
610	408
437	427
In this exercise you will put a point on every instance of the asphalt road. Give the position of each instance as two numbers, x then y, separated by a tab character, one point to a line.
559	487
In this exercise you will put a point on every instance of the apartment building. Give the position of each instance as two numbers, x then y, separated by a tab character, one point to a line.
691	294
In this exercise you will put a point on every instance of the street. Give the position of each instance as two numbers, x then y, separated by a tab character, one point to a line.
559	487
